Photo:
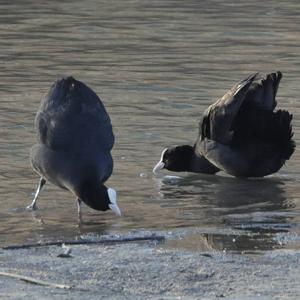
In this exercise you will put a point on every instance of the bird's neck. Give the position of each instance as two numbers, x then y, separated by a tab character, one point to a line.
199	164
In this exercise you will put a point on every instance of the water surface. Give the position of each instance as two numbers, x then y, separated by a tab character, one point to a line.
157	65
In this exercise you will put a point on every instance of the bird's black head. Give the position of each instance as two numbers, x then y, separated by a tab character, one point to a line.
176	159
99	197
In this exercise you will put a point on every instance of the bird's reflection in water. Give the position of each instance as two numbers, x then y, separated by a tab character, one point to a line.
240	214
49	229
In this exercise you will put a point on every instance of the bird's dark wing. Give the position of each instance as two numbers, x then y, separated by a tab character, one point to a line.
258	121
217	119
262	92
72	117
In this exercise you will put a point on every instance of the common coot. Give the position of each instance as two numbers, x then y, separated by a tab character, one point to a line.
75	138
241	134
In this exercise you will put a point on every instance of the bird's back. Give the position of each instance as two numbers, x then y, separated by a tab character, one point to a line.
74	135
73	119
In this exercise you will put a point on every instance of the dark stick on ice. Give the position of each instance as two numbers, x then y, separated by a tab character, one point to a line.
158	238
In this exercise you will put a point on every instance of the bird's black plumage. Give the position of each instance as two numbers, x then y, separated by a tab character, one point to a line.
241	133
75	138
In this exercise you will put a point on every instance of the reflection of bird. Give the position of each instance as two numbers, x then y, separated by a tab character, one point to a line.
240	134
242	214
74	142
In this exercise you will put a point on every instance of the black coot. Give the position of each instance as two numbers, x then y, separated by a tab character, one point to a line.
75	138
240	134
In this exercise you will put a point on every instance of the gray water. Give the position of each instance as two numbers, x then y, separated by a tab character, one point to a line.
156	65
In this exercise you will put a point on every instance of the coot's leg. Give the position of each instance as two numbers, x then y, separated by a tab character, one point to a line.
79	204
32	206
